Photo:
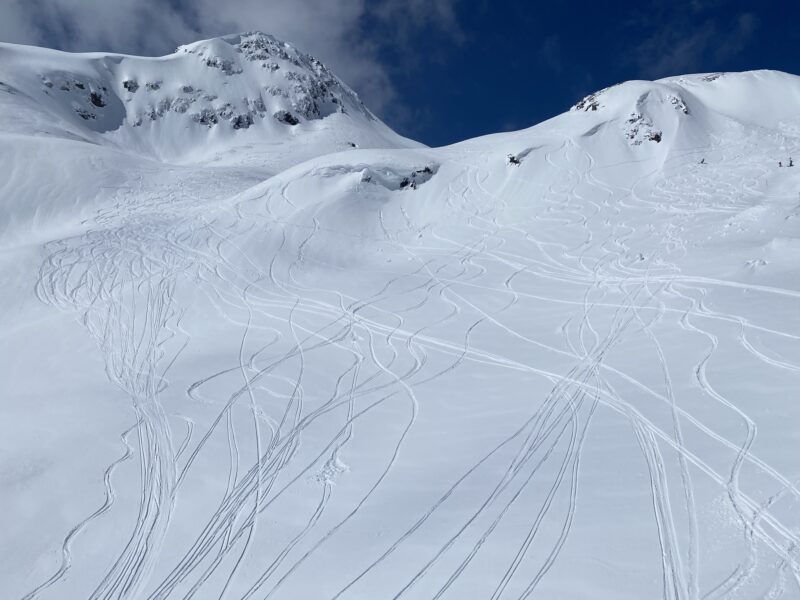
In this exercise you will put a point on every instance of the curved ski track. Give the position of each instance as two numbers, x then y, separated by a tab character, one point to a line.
315	365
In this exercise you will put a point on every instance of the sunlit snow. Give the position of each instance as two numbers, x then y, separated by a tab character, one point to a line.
247	358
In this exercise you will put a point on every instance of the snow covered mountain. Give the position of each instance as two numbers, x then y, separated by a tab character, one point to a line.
207	98
246	101
257	345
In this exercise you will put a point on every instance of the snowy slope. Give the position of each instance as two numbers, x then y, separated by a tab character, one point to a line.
399	372
246	101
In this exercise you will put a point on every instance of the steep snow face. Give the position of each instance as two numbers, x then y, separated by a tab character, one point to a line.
195	105
767	99
686	111
556	363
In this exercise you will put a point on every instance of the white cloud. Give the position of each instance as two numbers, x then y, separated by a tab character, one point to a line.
333	30
15	23
684	37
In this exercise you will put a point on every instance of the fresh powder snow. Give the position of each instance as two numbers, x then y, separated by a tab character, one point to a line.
255	344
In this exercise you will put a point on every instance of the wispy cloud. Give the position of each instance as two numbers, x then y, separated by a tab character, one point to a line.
550	53
688	36
336	31
405	17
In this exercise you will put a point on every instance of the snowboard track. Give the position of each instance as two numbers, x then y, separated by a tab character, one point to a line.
315	364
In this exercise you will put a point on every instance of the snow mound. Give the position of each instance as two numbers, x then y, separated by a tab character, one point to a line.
685	110
348	210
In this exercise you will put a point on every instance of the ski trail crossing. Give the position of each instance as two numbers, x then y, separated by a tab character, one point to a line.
265	460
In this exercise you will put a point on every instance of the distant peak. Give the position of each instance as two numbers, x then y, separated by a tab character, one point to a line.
313	90
209	90
253	45
236	39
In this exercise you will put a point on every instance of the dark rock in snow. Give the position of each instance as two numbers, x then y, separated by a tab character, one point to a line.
639	128
85	114
97	100
242	121
679	104
207	117
417	177
589	102
284	116
226	66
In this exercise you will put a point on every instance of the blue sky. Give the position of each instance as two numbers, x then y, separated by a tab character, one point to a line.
518	63
446	70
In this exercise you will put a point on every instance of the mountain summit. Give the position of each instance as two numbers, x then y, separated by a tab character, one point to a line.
210	95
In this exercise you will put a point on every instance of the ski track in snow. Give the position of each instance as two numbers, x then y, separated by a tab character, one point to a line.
315	366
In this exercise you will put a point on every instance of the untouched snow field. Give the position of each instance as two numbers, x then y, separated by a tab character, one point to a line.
318	360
